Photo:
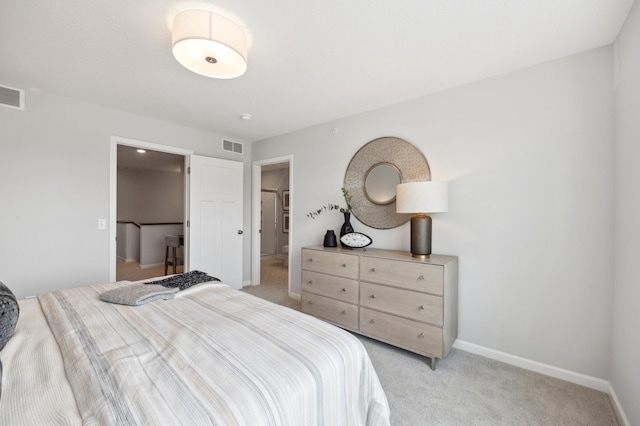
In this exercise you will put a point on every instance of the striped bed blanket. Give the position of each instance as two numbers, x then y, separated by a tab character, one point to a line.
212	356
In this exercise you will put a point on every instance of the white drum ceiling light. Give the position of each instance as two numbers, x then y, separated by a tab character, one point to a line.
209	44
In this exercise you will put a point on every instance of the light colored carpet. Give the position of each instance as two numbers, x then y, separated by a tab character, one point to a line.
274	285
465	389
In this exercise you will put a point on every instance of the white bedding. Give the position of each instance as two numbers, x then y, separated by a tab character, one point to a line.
213	355
35	390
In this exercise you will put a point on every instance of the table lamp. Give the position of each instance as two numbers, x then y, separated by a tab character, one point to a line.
421	198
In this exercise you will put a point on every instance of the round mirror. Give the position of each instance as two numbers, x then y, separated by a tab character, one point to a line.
380	183
372	175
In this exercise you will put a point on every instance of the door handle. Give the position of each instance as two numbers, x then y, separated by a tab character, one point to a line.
240	232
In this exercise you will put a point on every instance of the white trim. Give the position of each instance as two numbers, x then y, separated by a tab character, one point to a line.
296	296
113	190
128	260
546	369
151	265
617	406
256	185
549	370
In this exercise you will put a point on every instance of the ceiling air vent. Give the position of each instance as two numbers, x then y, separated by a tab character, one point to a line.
12	98
231	146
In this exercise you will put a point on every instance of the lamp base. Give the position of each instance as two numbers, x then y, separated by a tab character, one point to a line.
421	236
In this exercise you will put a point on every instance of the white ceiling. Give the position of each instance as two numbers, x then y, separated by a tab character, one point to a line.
130	158
310	62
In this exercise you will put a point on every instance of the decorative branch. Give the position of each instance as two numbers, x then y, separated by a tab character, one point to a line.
328	207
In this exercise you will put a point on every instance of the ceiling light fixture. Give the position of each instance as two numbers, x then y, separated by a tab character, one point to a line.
209	44
141	151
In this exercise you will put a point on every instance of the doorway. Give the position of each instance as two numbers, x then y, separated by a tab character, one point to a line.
272	178
150	205
142	213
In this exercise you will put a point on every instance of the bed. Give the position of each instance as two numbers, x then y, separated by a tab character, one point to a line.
210	355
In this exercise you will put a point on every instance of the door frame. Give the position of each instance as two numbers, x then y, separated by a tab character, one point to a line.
113	192
256	189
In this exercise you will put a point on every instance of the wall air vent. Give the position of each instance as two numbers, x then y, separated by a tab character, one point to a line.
231	146
12	98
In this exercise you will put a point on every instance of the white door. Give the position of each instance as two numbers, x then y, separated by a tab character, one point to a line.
215	210
268	224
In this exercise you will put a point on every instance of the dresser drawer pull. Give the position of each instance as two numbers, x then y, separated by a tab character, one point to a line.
310	302
422	307
344	312
421	335
373	296
344	289
310	282
372	321
421	277
373	269
344	265
310	259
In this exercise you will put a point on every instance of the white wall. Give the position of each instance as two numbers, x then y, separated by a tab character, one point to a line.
150	196
529	159
128	244
54	185
625	367
153	244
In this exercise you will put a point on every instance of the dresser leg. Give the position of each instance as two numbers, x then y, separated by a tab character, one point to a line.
432	363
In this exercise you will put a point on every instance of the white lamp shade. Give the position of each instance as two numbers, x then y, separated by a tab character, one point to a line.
422	197
209	44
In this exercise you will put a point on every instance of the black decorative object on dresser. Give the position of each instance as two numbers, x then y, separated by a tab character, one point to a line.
330	239
386	295
346	227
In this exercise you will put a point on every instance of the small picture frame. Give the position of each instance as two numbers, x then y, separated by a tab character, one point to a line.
285	222
285	199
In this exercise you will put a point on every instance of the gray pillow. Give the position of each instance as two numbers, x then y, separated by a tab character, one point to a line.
9	311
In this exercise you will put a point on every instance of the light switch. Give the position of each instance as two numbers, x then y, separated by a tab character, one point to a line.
102	224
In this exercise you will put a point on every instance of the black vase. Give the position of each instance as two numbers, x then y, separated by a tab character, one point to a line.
330	239
346	226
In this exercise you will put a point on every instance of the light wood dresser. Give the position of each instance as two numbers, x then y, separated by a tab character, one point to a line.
386	295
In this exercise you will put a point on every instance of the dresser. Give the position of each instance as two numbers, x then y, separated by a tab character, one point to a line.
387	295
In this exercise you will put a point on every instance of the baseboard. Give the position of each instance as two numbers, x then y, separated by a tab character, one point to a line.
548	370
617	406
296	296
151	265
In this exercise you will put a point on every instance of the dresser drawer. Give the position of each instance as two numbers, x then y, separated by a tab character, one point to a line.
407	334
340	313
344	289
409	275
343	265
410	304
